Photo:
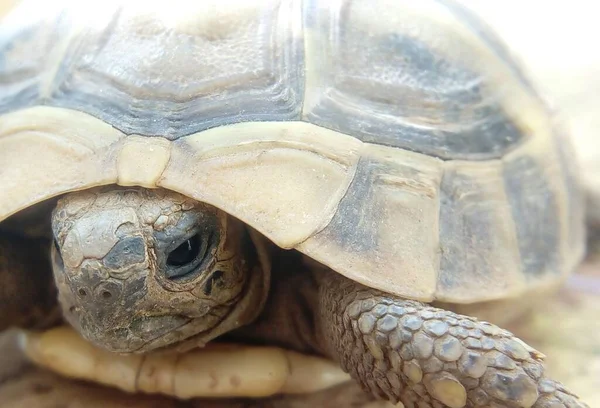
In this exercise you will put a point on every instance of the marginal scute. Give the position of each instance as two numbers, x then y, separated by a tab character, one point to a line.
41	157
142	160
537	195
304	170
480	259
575	205
361	243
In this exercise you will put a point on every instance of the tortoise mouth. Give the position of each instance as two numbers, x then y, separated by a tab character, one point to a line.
164	331
157	344
185	336
172	333
182	345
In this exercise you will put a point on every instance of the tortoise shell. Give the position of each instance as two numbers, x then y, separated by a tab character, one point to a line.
397	142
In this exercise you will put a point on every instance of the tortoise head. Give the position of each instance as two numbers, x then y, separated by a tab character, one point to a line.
140	269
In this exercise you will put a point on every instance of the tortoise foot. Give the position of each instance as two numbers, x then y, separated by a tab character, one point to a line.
408	351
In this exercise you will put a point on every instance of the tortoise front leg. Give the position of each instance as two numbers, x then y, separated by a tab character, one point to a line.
408	351
27	291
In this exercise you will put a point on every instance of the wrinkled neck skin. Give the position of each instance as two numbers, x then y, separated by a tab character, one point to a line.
140	270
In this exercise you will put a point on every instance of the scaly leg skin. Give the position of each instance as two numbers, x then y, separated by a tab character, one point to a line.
27	290
408	351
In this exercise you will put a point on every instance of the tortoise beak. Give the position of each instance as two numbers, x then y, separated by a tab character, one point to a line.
133	338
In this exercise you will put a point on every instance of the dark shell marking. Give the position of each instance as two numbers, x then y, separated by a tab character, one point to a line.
390	88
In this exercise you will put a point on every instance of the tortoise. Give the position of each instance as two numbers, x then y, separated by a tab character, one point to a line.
337	178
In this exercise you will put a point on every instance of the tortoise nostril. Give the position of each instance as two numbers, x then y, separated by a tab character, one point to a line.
108	292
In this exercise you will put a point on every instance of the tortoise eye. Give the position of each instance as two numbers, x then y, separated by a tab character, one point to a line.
186	260
185	253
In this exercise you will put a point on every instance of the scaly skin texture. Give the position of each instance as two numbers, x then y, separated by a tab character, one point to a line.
407	351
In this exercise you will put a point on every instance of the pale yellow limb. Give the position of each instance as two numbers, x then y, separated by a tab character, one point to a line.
220	370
